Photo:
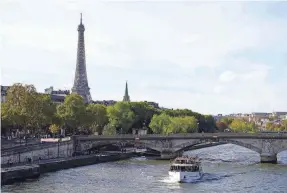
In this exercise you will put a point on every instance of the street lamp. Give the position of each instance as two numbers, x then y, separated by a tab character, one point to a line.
121	139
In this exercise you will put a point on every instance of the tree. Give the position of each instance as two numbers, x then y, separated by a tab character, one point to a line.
186	124
269	126
46	110
5	120
284	124
54	129
97	117
221	126
73	112
238	125
121	116
143	113
22	106
159	123
226	120
109	130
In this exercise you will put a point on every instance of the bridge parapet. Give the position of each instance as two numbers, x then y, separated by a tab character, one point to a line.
268	145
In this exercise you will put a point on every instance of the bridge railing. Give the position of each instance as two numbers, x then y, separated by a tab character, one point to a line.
223	134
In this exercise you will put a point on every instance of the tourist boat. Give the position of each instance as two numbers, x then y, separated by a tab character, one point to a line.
185	169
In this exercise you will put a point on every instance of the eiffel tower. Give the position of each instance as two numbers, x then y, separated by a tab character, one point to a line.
81	86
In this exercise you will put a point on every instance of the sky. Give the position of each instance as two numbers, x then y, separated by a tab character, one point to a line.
210	57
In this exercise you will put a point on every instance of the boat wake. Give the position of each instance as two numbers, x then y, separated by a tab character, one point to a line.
205	177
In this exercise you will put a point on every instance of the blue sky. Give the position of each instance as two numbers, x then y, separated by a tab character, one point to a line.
208	57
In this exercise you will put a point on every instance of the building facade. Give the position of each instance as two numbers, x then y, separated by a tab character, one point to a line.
57	96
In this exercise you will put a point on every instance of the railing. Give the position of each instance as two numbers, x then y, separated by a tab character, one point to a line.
183	135
22	149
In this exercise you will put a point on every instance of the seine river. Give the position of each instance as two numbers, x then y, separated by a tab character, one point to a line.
228	168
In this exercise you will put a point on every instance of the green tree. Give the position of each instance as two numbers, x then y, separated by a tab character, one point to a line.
22	106
54	129
121	116
284	125
269	126
143	113
46	110
5	120
239	125
109	130
73	112
227	120
159	123
186	124
97	117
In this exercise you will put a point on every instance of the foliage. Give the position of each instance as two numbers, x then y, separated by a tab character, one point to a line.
143	113
227	120
96	117
54	129
221	126
239	125
121	116
73	112
165	124
109	130
25	109
186	124
277	126
206	123
159	123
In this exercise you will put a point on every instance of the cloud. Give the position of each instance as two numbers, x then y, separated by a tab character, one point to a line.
227	76
178	54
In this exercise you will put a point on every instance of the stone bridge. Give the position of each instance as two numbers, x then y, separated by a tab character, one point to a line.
266	144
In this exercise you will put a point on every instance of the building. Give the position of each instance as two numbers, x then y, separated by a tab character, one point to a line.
140	131
217	117
257	116
278	114
153	104
105	102
4	93
81	86
283	117
57	96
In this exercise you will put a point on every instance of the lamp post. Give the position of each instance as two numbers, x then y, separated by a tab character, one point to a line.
121	139
58	147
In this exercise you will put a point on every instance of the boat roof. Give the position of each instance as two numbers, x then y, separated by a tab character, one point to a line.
192	164
186	158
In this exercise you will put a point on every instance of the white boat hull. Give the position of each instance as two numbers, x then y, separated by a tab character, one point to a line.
185	177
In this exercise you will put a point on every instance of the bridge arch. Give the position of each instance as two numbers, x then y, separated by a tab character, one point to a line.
88	145
187	145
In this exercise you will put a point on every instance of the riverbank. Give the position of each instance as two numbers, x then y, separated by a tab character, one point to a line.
23	172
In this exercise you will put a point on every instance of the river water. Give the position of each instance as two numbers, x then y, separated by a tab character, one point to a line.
227	168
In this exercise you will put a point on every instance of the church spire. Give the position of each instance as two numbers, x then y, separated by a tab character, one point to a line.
126	96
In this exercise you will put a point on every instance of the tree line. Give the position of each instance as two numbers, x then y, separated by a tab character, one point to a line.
241	125
35	113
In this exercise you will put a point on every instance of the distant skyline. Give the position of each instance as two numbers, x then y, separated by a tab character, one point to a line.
218	57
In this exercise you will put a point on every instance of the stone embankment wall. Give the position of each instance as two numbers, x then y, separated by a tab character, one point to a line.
20	173
43	152
81	161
